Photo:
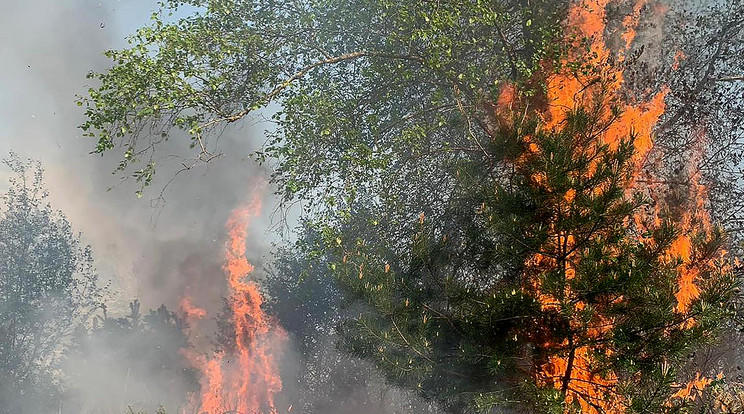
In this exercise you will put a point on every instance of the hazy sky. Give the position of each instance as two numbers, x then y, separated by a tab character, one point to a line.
48	47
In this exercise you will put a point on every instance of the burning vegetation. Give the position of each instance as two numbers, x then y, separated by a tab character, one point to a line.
242	377
607	168
505	206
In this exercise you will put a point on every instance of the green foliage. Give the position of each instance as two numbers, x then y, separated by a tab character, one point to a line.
462	314
429	214
309	305
360	89
48	289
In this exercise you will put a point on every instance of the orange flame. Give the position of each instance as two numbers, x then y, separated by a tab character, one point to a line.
566	90
594	391
191	311
693	388
244	380
631	21
694	219
575	370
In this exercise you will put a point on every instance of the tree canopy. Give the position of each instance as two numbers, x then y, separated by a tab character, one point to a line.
553	289
48	289
482	177
363	89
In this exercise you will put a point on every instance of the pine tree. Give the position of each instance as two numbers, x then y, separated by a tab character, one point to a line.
556	285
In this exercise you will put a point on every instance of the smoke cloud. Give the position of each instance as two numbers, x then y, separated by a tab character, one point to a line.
155	254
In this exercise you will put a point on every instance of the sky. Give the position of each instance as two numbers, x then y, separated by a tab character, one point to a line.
154	254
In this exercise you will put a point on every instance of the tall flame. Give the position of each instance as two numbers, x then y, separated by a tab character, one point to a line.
574	371
243	379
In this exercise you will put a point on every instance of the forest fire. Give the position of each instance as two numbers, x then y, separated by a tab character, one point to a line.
576	371
479	206
242	377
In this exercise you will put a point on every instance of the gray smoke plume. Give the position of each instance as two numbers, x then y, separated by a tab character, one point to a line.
154	254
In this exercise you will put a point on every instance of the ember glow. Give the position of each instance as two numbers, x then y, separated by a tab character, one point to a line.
243	379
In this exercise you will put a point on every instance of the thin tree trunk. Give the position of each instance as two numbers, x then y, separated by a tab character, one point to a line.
569	368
